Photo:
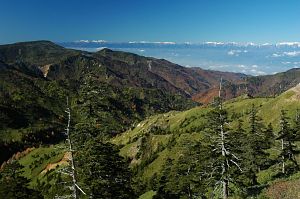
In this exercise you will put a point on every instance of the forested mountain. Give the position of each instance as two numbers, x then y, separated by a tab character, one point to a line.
132	118
256	86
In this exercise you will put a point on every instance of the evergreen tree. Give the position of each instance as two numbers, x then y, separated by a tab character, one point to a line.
102	172
163	191
269	137
225	158
186	177
255	156
222	145
287	138
13	185
55	186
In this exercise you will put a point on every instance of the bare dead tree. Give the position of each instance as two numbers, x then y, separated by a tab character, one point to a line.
74	186
282	157
220	87
228	157
220	92
282	123
223	149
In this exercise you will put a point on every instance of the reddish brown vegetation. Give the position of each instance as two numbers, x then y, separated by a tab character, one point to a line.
284	190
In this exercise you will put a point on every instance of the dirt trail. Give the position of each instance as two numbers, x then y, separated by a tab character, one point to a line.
63	161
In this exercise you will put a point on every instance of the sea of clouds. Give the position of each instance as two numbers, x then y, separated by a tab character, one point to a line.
248	58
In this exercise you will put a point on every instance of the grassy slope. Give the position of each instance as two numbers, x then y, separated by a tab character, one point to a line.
147	195
38	159
186	125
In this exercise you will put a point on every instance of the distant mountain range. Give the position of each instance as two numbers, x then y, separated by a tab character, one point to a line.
248	58
53	62
190	44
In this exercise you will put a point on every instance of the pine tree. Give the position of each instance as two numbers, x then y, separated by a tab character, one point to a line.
223	160
225	157
102	172
13	185
287	139
163	190
186	177
255	156
269	137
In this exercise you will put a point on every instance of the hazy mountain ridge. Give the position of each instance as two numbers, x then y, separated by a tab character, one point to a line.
181	77
248	58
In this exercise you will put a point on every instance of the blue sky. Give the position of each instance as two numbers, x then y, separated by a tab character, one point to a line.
150	20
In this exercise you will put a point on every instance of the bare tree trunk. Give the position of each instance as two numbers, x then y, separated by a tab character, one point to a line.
220	96
75	195
282	157
220	87
224	180
73	186
225	189
189	186
189	192
73	170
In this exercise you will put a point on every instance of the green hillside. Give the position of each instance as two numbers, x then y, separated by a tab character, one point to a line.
101	91
158	138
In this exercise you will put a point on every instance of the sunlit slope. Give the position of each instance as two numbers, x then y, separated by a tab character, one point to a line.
162	136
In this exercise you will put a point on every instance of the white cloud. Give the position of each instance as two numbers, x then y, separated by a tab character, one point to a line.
241	66
231	52
165	42
82	41
214	43
217	66
257	72
293	44
149	42
100	48
266	44
98	41
292	54
236	52
287	54
276	55
249	69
